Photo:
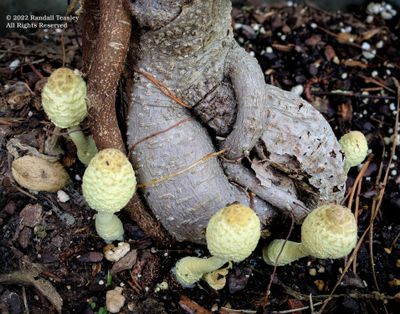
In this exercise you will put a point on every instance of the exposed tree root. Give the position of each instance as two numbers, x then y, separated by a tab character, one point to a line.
31	277
104	59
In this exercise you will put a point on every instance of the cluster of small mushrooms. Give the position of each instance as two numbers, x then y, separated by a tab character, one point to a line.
330	231
109	181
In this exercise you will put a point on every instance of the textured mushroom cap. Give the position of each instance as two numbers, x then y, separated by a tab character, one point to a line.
109	181
330	231
233	233
355	147
64	98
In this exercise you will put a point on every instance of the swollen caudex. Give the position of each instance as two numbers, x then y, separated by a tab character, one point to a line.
225	87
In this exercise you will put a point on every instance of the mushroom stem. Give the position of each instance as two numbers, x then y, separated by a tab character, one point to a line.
86	147
291	252
109	226
189	270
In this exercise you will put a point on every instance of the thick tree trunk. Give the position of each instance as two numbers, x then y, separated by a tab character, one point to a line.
189	47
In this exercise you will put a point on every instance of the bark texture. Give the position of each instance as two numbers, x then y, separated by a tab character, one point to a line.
105	44
189	47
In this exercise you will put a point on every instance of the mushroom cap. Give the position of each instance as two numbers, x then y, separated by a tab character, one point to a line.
64	98
109	181
330	231
233	233
355	147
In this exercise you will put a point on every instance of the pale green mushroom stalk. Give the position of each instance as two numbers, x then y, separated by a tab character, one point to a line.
108	184
330	231
355	148
232	234
64	101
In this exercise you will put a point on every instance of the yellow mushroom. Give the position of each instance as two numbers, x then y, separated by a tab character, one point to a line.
64	101
232	234
355	148
108	184
330	231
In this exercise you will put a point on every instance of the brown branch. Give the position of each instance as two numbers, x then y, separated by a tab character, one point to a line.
104	58
165	90
264	301
89	20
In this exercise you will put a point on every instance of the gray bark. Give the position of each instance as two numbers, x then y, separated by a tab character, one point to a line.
189	47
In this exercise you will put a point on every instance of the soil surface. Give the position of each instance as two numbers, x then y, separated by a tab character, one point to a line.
345	64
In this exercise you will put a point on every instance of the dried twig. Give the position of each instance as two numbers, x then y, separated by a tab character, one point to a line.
192	307
351	94
376	82
165	90
264	300
191	166
30	277
376	203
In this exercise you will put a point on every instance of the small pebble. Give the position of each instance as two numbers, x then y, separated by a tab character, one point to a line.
379	44
78	177
336	60
374	8
115	300
374	73
344	75
369	19
365	46
369	54
62	196
269	50
313	25
321	270
386	15
238	26
312	272
297	90
393	172
392	106
101	282
14	64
